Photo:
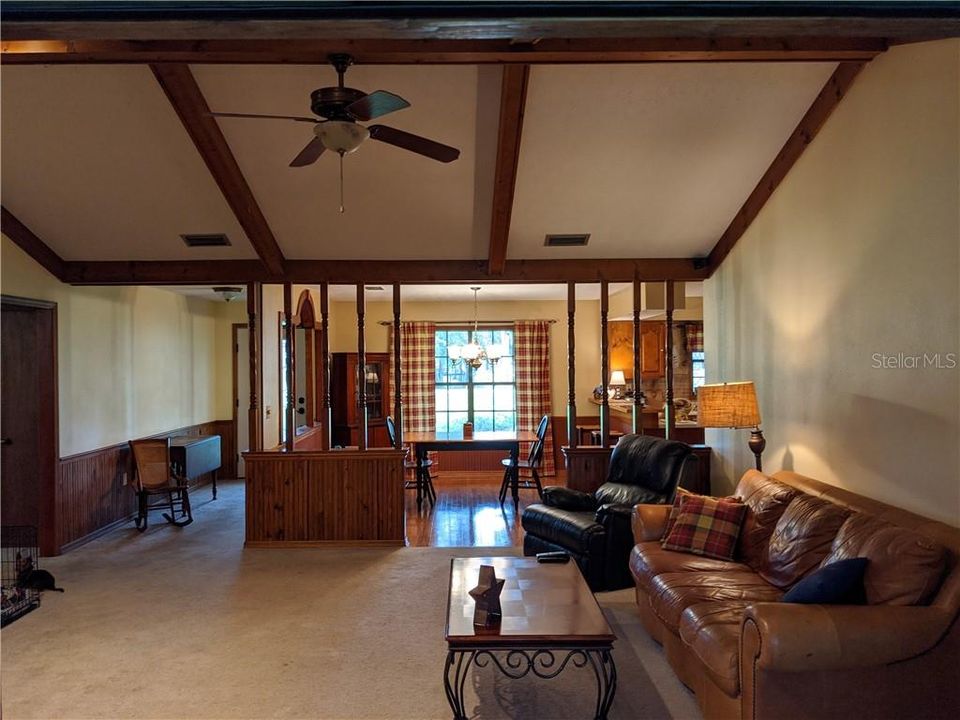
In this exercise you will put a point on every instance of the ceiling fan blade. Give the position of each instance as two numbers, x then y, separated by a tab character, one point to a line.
414	143
376	104
296	118
309	154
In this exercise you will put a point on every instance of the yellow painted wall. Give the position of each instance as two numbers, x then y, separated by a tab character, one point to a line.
856	255
131	361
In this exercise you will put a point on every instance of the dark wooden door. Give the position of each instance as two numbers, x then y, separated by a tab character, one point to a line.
28	414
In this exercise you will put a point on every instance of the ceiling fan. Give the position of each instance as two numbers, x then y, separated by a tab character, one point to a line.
341	108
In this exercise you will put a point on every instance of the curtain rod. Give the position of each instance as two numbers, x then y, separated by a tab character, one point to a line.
486	323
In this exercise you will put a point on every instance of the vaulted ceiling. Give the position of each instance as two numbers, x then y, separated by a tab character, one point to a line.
653	160
659	138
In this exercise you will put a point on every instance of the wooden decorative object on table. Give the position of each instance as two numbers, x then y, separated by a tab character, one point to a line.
467	430
487	595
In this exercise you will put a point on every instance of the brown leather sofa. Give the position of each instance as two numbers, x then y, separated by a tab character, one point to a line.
747	655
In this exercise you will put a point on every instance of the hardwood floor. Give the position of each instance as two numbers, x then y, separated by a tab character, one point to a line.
468	513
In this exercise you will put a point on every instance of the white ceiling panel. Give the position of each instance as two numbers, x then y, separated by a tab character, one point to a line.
97	164
398	205
652	160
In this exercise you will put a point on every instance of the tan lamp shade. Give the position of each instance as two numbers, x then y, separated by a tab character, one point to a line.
617	378
728	405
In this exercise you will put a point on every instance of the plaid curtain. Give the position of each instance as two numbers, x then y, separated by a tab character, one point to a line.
532	358
694	332
417	375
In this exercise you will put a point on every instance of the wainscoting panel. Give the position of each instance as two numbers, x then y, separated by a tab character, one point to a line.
94	488
312	498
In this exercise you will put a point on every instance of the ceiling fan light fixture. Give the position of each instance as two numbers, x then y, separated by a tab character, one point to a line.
341	136
228	293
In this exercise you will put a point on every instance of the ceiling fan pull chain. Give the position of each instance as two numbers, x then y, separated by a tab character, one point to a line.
341	183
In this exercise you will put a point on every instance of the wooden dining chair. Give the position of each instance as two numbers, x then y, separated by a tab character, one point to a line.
533	461
155	477
421	471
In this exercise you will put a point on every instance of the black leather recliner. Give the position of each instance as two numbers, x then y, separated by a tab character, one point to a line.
596	529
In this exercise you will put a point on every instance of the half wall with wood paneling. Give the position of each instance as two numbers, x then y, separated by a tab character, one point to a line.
314	498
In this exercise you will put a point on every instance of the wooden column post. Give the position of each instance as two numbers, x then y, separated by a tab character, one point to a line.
254	419
671	421
397	377
604	365
571	366
326	439
637	386
361	372
289	407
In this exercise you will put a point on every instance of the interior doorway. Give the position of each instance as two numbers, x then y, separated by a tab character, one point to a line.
241	392
29	440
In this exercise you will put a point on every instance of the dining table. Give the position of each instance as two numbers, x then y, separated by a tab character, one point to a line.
509	440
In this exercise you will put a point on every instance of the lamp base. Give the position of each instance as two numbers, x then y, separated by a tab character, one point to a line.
757	443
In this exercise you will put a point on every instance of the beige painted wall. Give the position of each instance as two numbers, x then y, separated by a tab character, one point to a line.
857	253
131	361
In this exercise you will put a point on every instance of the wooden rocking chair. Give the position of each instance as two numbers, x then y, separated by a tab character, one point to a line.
155	476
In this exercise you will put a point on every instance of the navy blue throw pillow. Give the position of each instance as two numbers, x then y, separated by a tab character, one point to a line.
839	583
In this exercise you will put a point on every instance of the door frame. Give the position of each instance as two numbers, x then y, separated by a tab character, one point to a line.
48	428
234	327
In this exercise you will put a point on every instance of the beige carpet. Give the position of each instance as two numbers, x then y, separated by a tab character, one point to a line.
188	624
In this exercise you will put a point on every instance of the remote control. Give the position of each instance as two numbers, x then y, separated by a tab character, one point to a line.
553	557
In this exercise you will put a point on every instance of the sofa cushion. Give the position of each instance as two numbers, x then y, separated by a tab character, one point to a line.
906	568
576	531
766	501
649	559
712	632
801	539
706	526
672	593
838	583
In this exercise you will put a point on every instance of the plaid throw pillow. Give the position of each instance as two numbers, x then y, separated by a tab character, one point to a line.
706	526
678	501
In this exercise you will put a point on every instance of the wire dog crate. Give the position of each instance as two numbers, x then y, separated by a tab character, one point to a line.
19	551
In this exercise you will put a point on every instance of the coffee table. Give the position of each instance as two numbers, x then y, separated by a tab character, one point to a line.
550	620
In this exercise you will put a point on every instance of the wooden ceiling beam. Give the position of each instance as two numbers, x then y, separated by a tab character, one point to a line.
200	272
513	99
47	50
184	94
31	244
824	104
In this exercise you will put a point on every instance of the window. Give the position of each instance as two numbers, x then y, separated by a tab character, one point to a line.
699	369
486	396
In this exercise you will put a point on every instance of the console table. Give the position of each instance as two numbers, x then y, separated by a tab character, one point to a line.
195	455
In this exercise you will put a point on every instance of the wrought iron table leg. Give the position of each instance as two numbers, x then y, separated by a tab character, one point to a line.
606	673
543	663
458	664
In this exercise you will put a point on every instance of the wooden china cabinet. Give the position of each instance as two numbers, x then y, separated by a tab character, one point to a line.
653	336
343	398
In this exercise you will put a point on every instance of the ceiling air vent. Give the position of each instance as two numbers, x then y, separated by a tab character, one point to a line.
566	240
214	240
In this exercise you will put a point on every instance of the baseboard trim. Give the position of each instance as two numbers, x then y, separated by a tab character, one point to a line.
322	543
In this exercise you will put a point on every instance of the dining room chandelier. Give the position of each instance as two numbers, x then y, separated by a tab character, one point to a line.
473	353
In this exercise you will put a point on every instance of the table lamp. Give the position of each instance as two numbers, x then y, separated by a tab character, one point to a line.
618	381
732	405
